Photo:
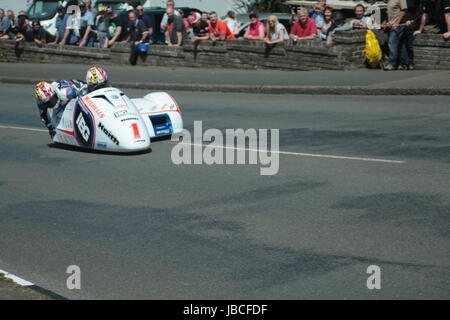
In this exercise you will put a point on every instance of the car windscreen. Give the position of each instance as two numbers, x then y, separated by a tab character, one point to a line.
43	10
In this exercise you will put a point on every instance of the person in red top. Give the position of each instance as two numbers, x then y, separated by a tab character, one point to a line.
304	28
218	29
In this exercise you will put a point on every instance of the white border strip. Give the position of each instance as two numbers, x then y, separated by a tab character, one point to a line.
16	279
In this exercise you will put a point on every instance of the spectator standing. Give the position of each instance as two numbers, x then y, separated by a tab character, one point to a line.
200	27
396	15
101	26
323	32
414	12
61	25
176	32
218	29
137	34
86	26
21	27
5	25
317	14
149	24
84	35
232	23
276	31
304	28
90	8
165	19
256	29
205	17
11	16
115	28
37	34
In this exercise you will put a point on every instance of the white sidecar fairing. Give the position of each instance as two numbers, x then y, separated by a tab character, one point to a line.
105	119
161	114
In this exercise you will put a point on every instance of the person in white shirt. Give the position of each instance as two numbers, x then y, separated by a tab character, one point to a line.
361	21
165	19
276	32
232	23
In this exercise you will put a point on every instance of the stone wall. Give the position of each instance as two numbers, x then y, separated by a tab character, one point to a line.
432	52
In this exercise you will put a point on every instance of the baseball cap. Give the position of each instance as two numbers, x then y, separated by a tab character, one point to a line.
22	13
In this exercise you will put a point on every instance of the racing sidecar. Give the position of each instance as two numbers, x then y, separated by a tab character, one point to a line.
108	120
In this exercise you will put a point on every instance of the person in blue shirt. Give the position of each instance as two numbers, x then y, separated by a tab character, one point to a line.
5	25
61	24
317	15
84	35
54	96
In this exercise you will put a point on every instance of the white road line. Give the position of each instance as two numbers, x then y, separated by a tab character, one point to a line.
325	156
299	154
16	279
23	128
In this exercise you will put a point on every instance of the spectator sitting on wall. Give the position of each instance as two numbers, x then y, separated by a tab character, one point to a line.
218	29
115	28
338	25
199	27
304	28
149	24
317	14
37	34
165	19
323	33
276	31
176	32
361	21
232	23
61	25
256	29
137	34
21	27
436	18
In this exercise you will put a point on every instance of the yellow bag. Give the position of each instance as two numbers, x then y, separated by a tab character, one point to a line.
373	53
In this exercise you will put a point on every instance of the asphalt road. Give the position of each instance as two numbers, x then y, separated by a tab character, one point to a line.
142	227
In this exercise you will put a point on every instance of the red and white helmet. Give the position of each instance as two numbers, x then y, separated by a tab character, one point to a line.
44	92
96	76
195	17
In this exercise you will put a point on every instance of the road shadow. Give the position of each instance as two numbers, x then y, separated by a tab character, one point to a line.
84	150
